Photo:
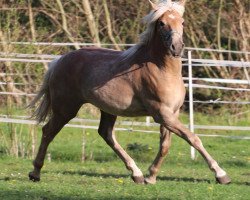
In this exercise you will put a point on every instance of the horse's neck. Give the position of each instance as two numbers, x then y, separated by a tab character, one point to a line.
154	52
159	55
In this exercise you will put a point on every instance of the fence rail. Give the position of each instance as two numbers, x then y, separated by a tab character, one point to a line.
131	129
211	80
18	57
122	45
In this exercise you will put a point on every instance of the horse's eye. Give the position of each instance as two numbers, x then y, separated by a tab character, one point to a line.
161	24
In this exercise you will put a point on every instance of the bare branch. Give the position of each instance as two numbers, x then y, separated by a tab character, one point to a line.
64	24
91	22
109	25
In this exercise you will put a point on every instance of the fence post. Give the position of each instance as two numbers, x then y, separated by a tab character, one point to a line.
191	105
147	121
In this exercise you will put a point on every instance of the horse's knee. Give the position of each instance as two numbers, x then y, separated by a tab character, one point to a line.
195	141
165	141
164	149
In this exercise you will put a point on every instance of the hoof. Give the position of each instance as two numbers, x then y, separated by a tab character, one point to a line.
33	177
151	181
223	180
138	179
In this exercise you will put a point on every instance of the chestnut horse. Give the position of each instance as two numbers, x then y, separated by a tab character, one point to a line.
144	80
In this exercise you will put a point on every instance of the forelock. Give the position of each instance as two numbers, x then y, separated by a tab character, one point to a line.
162	7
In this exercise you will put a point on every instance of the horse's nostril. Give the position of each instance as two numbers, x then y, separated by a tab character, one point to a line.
172	47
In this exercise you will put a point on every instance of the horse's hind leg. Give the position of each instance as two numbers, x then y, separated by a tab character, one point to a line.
165	142
106	131
50	130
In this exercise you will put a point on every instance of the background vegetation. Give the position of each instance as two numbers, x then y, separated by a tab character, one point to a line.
208	23
216	24
79	164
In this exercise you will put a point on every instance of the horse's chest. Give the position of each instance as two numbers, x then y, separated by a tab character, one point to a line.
168	92
173	95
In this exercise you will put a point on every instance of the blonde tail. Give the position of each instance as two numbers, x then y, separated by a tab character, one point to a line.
44	108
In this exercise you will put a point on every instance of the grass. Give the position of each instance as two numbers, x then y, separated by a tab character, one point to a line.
103	175
66	180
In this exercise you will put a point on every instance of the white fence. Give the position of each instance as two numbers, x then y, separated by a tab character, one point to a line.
189	62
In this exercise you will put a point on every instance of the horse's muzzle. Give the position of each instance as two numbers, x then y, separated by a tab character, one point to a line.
176	48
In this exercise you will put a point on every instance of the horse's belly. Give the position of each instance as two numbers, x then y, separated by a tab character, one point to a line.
121	102
120	108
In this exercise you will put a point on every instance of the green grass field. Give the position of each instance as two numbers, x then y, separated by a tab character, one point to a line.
103	175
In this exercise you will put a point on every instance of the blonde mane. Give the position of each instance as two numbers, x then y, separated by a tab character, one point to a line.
150	20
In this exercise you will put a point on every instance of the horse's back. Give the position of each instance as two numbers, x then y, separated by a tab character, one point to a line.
93	55
83	61
90	76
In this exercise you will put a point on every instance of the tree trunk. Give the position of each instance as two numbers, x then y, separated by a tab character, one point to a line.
65	24
93	28
33	31
109	25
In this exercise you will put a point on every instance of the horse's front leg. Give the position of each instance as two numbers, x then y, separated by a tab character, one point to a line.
165	142
106	131
166	117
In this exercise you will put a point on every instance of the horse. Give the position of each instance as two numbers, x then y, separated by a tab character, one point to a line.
144	80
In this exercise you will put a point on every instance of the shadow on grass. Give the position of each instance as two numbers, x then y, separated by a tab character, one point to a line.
236	163
108	175
41	195
161	178
183	179
112	175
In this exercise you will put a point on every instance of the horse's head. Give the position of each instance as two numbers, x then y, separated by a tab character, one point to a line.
169	24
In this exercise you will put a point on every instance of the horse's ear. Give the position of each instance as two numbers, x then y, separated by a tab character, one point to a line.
182	2
153	5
